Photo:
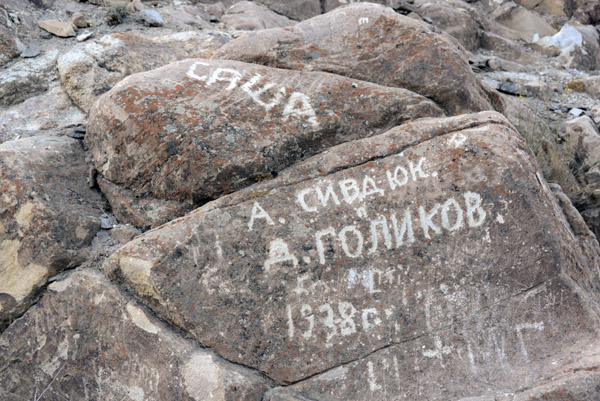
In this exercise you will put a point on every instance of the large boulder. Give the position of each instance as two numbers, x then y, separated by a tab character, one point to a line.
586	11
247	15
551	7
432	253
373	43
197	129
525	23
87	340
296	10
48	216
91	69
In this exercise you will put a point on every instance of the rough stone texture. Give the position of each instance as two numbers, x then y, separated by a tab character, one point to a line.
586	11
331	4
88	341
142	212
26	78
247	15
523	21
460	22
372	43
8	46
590	85
211	126
58	28
297	9
186	17
91	69
51	113
506	48
433	253
48	216
552	7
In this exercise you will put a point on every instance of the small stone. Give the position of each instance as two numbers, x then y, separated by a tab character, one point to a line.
84	36
58	28
576	112
135	5
150	17
31	51
107	221
511	88
214	19
79	20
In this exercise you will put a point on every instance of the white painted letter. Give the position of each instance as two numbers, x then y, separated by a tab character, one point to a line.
299	105
225	74
300	198
426	222
347	312
417	170
405	229
259	213
192	74
387	238
393	179
369	187
307	313
350	190
473	202
255	95
328	193
359	240
459	215
320	248
365	318
279	253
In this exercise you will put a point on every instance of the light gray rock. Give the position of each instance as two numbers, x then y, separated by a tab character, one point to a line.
297	10
521	20
57	28
150	17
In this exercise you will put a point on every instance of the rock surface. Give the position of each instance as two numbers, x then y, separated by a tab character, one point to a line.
48	216
91	69
296	10
348	41
416	245
249	16
217	126
58	28
86	340
8	46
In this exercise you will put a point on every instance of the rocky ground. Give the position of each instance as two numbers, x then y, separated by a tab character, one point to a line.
299	200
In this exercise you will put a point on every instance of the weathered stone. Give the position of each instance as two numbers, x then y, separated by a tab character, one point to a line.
297	10
79	20
457	21
8	46
26	78
586	11
576	44
58	28
186	17
583	131
142	212
91	69
86	340
432	253
552	7
591	85
250	16
523	21
49	113
373	43
202	128
506	48
150	17
48	216
395	4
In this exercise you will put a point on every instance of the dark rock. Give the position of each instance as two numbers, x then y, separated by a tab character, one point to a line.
203	128
512	88
86	340
48	216
8	46
433	253
375	44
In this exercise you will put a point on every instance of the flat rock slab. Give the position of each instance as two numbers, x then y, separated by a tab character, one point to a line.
373	43
48	216
197	129
58	28
247	15
86	340
92	68
427	240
